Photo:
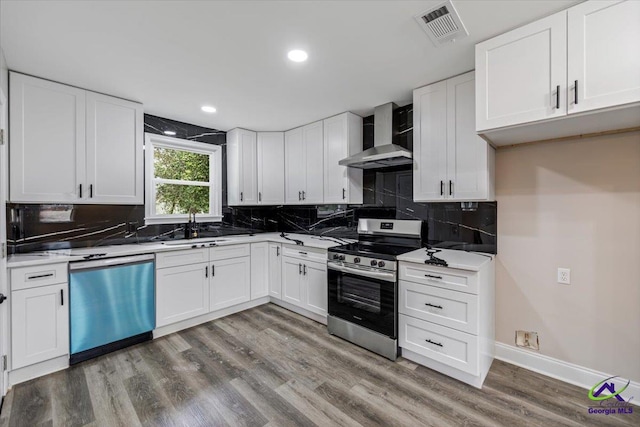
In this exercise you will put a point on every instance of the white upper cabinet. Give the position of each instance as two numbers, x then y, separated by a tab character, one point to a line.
582	60
114	151
451	162
521	75
242	167
470	159
270	168
314	163
69	145
430	142
47	152
295	178
604	54
342	138
304	166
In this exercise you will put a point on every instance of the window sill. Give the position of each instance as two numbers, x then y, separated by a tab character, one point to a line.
180	219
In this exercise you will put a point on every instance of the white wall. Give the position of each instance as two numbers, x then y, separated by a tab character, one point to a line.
573	204
4	74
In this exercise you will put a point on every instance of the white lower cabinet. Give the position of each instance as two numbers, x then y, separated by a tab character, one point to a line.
230	282
181	293
304	284
259	270
446	319
275	270
292	281
40	324
315	287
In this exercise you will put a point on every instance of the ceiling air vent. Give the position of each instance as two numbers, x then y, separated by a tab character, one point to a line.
442	24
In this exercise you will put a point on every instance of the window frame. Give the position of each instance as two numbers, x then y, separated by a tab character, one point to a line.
215	178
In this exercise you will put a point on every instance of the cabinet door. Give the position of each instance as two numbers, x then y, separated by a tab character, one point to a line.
430	142
342	138
230	282
259	270
518	74
604	54
249	168
114	150
242	168
47	152
295	177
270	168
314	164
292	281
467	162
39	324
315	287
275	270
181	293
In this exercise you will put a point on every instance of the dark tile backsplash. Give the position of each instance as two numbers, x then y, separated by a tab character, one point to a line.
387	194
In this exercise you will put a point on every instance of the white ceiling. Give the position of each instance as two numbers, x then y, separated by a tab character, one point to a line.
176	56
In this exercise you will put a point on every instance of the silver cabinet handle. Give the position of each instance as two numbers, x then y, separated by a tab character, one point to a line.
302	253
277	250
344	194
557	97
259	196
431	276
241	196
434	343
575	93
299	195
213	270
304	269
299	268
434	306
304	195
90	190
206	271
81	191
61	296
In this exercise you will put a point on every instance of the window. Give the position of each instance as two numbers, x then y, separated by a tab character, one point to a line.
182	177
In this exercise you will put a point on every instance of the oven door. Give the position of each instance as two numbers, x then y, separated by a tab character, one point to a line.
364	297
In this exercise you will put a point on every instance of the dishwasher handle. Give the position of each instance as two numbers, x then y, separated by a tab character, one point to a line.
110	262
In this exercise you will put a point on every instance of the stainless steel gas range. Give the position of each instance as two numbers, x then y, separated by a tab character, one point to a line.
363	284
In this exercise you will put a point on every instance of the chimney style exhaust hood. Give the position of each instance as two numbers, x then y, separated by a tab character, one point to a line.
384	153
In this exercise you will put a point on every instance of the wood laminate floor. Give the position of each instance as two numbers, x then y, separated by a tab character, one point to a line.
270	367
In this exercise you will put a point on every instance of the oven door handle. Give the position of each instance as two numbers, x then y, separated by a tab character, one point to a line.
388	277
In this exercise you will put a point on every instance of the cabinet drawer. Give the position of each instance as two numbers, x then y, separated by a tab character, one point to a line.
181	257
442	277
41	275
456	310
305	252
445	345
231	251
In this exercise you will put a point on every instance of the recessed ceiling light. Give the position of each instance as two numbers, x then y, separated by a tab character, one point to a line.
169	132
297	55
208	109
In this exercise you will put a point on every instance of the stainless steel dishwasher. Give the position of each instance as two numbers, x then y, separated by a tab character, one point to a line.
111	304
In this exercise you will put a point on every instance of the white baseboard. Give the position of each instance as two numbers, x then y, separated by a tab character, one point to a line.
559	369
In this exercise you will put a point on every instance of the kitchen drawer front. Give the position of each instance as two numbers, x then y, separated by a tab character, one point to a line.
231	251
442	277
181	257
445	345
41	275
453	309
305	252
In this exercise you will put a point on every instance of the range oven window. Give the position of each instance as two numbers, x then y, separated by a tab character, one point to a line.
366	301
360	294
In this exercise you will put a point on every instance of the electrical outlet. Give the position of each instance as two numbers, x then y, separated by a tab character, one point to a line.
564	276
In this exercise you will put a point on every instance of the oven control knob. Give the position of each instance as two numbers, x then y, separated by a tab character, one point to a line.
381	264
356	260
374	263
341	257
335	256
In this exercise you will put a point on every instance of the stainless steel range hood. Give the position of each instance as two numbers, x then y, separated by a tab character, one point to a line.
384	153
